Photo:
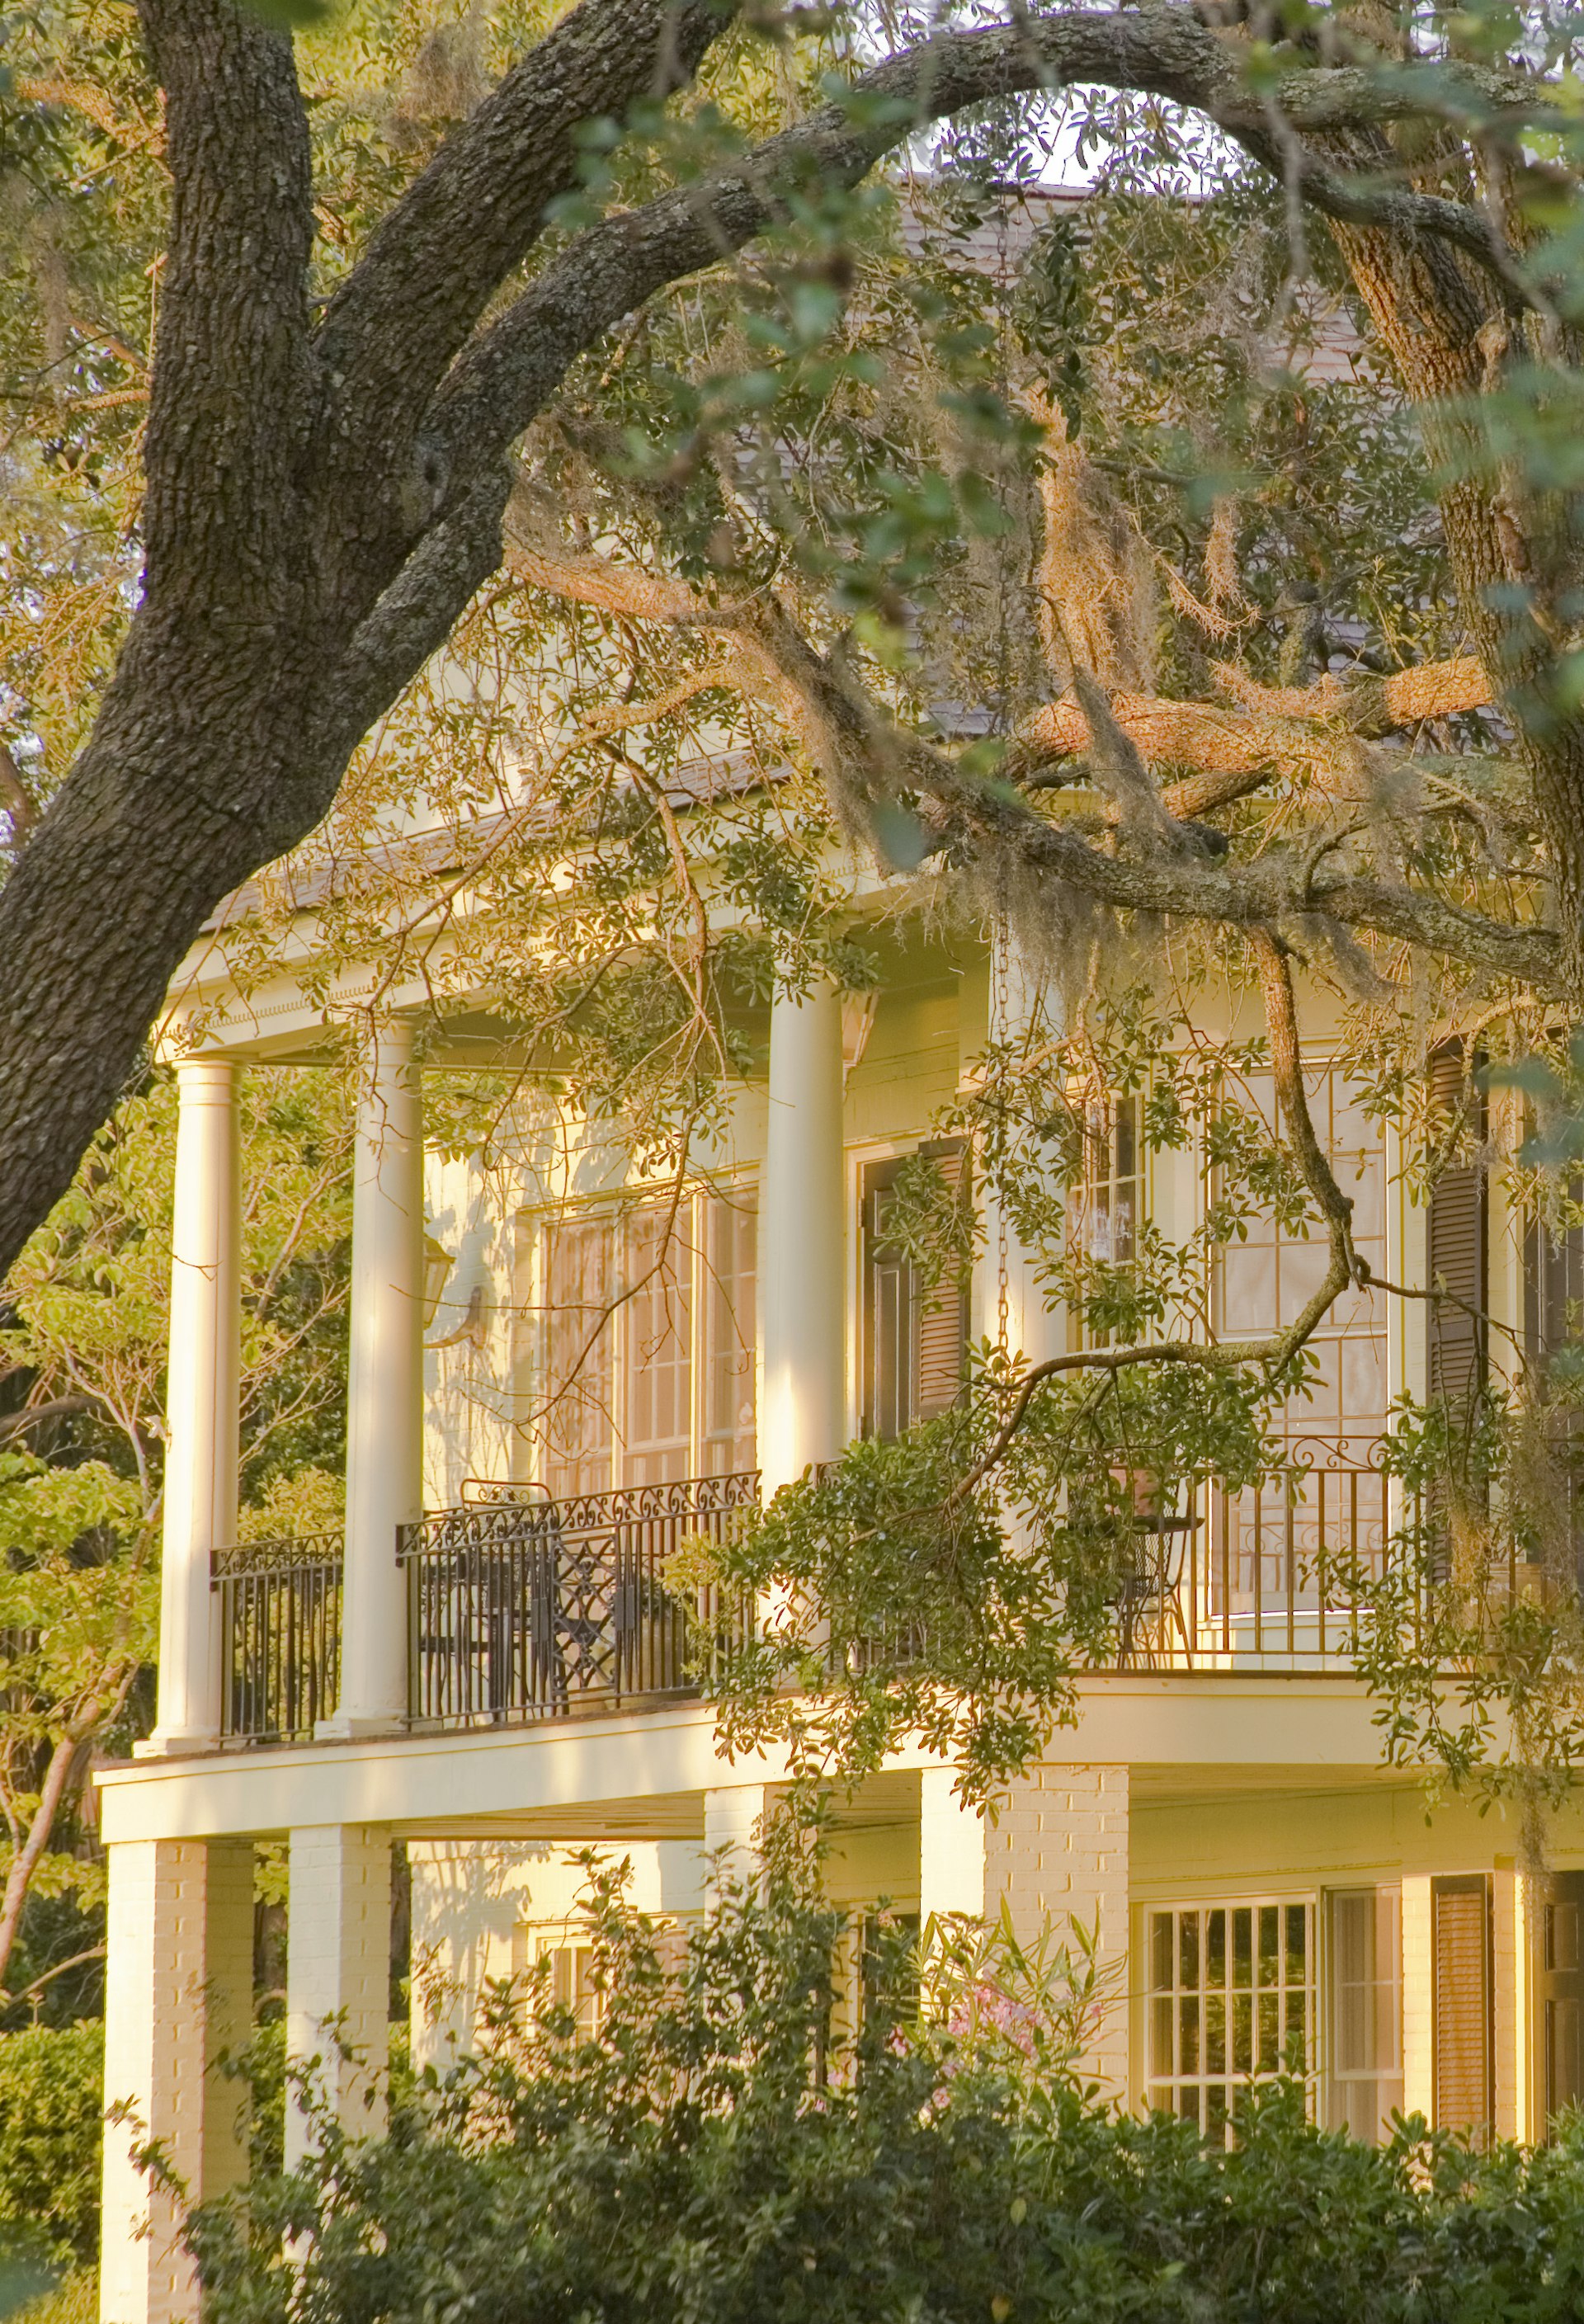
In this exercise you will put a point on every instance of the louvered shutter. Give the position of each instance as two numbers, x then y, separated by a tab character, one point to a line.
1461	1941
1457	1245
943	1311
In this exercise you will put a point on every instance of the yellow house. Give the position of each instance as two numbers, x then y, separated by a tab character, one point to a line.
545	1398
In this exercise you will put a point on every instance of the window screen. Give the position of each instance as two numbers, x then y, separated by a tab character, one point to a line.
1267	1278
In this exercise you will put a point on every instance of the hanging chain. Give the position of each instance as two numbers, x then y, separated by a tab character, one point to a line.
1002	1005
1002	941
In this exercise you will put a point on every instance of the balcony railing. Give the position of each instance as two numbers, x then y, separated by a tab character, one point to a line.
524	1608
521	1607
281	1621
1272	1573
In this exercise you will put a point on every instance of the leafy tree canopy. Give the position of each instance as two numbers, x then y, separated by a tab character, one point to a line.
1185	581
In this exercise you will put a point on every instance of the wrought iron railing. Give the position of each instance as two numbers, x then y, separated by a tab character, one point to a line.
524	1608
521	1607
281	1623
1276	1572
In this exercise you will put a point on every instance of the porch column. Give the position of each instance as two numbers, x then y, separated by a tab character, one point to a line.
201	1401
1059	1858
338	1975
1008	1300
178	1997
803	1413
384	1395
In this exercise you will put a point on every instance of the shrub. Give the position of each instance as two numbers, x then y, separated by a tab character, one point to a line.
712	2151
75	2300
52	2102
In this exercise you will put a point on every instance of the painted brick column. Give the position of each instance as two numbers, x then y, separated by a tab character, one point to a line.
1059	1853
338	1973
178	1994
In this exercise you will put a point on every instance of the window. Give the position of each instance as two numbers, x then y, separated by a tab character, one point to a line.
1231	2001
645	1370
577	1432
1109	1204
914	1334
1267	1280
570	1984
1553	1286
1364	2032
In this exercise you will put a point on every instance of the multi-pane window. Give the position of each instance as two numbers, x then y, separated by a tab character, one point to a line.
1108	1205
1231	2001
1266	1280
645	1369
565	1973
1363	2032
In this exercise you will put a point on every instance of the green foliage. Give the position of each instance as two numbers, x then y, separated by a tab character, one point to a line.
75	2300
720	2148
83	1345
51	2098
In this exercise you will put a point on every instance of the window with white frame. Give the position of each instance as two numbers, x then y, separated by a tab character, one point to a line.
561	1962
645	1370
1107	1207
1363	2029
1266	1279
1230	2002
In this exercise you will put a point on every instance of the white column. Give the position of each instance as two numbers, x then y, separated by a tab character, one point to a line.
177	1995
201	1402
1031	1329
802	1241
385	1393
950	1851
338	1975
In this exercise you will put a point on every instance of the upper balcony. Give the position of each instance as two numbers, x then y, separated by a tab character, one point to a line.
779	1323
522	1608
